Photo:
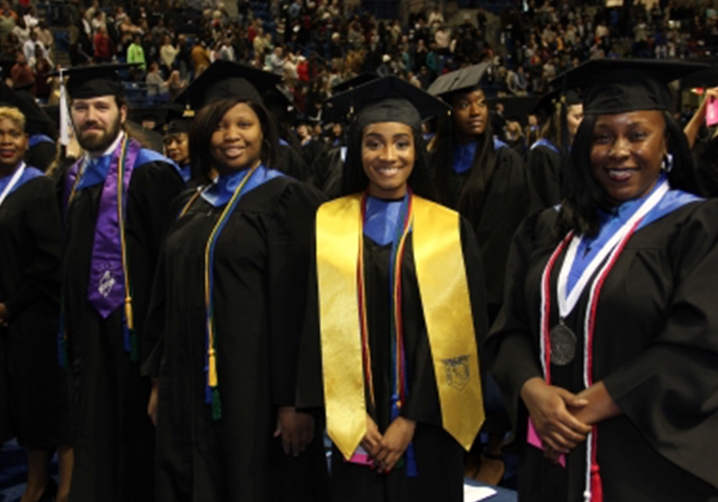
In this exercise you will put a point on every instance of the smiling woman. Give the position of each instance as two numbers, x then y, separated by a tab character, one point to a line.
393	362
31	401
606	350
227	427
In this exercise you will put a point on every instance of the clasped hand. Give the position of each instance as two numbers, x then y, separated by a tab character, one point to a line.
296	429
553	410
387	449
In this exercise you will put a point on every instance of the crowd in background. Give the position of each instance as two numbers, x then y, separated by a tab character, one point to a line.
316	44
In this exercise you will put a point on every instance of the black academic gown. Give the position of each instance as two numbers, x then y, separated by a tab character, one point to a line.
113	437
439	458
30	246
509	199
328	168
261	260
544	167
655	349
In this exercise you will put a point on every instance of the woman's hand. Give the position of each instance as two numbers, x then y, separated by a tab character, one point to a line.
296	429
4	316
552	410
152	405
372	439
394	443
601	405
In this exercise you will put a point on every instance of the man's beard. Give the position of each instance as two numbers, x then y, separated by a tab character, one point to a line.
95	142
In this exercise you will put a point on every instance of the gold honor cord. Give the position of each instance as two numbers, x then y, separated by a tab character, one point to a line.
339	236
441	275
444	290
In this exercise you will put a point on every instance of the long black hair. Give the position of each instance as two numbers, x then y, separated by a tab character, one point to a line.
473	194
579	209
354	179
205	124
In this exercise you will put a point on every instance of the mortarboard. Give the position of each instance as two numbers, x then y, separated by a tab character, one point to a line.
36	120
462	80
360	79
622	85
225	79
178	119
546	106
92	81
387	99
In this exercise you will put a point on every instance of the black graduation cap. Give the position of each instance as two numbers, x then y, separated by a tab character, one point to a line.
360	79
623	85
91	81
36	120
225	79
154	113
464	79
546	106
178	118
388	99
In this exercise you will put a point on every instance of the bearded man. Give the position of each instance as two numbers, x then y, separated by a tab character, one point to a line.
116	200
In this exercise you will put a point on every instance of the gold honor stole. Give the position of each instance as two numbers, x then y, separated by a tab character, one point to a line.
444	291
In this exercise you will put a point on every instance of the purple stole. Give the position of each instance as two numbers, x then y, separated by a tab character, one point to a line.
108	287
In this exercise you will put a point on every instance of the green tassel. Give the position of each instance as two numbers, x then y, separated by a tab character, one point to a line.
134	350
216	405
400	463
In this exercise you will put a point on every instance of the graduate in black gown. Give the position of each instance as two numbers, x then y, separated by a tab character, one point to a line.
175	140
35	398
487	183
543	162
42	133
478	175
607	339
390	352
227	312
116	201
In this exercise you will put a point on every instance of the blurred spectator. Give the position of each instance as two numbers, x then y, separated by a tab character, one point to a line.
21	74
136	54
21	31
200	58
41	66
104	47
168	54
175	85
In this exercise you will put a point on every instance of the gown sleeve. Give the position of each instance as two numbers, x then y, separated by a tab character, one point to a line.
42	275
154	325
152	189
508	349
290	252
544	168
670	390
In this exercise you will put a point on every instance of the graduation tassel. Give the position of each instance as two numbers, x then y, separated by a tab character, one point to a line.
212	391
411	470
216	405
131	344
596	484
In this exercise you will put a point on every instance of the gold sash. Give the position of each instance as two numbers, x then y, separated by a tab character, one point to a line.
444	291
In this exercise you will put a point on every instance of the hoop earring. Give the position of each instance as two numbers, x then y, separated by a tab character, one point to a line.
667	164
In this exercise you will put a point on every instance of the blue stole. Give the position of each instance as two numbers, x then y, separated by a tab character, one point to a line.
382	219
97	169
547	144
27	175
464	154
222	189
612	221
